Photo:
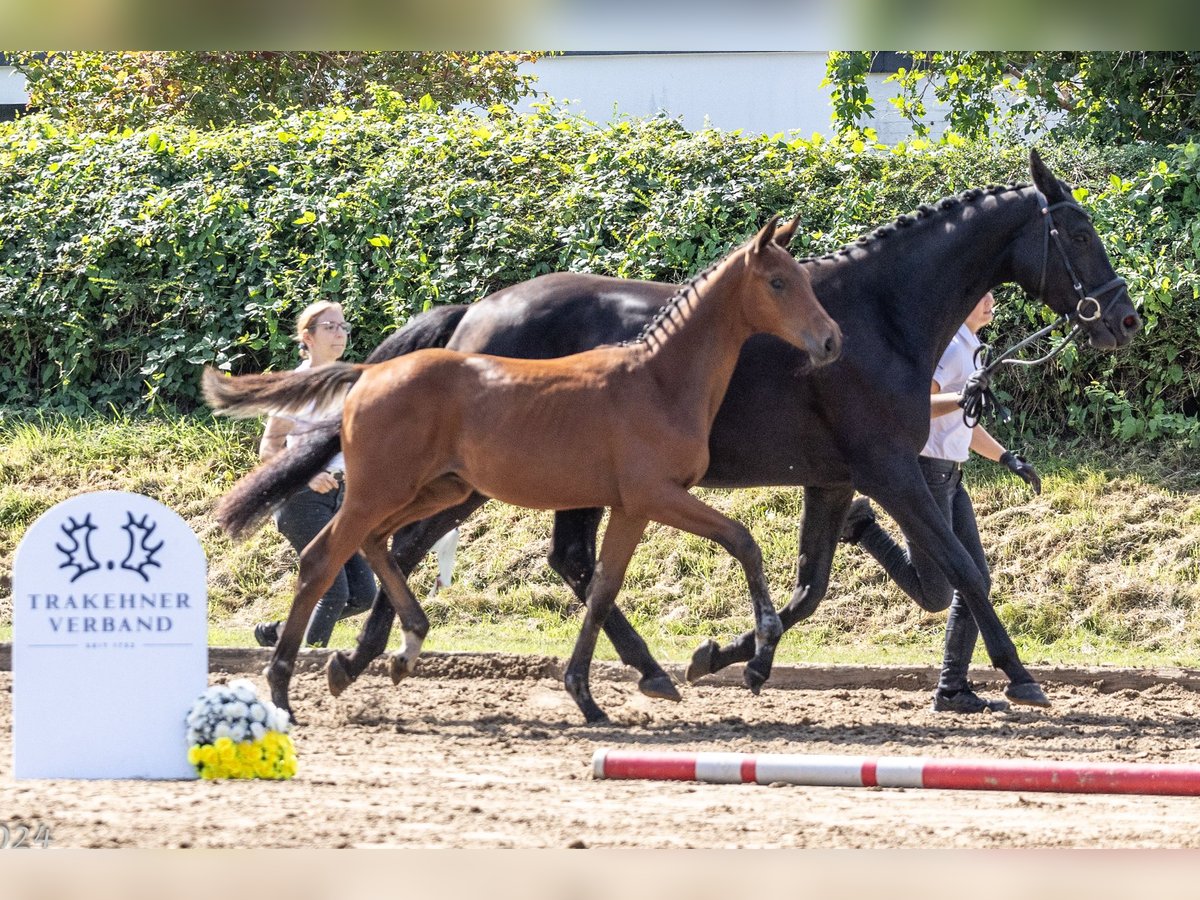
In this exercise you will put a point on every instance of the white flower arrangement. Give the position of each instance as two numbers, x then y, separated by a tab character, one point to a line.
233	734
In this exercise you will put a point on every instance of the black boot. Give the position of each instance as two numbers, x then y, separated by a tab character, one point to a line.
266	634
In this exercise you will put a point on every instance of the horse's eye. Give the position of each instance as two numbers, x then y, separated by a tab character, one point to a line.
777	284
1081	238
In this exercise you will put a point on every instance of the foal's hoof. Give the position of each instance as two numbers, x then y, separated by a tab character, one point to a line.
399	668
337	674
754	679
702	661
660	687
1028	694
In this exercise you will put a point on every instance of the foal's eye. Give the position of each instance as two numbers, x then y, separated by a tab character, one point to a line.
777	284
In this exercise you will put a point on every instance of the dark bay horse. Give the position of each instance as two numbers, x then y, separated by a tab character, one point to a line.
624	427
898	293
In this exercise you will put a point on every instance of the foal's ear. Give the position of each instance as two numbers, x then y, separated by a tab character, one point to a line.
1044	179
763	239
785	232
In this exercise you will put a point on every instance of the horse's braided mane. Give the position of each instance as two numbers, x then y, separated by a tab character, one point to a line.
922	212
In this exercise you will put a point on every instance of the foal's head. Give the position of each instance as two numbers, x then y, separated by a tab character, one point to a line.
777	296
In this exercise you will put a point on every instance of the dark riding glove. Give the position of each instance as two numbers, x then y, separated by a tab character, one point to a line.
977	399
1022	469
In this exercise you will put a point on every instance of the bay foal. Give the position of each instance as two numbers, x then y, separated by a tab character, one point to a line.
619	426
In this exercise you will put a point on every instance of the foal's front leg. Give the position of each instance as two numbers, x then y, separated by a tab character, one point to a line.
820	525
680	509
620	540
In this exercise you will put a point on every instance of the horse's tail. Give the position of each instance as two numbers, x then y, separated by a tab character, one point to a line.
280	393
432	328
256	494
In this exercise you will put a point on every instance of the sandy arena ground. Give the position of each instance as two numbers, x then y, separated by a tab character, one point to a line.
469	756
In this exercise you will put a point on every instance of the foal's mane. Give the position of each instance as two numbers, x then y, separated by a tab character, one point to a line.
951	204
666	312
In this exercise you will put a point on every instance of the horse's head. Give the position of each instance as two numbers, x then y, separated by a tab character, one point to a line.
1063	260
779	299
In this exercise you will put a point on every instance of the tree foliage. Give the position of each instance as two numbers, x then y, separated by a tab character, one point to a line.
1105	96
108	90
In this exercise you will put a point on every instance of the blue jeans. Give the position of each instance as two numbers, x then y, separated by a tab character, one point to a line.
299	519
923	580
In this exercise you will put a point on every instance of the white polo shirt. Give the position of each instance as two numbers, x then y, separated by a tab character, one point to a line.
949	437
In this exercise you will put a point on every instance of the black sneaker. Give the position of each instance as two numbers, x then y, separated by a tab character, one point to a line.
267	634
965	701
859	516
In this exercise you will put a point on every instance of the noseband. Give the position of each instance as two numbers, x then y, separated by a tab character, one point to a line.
977	395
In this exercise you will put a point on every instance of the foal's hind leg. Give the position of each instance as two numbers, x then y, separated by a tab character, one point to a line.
820	525
680	509
320	562
435	496
573	557
409	546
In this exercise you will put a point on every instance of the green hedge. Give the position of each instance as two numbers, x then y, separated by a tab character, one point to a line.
127	261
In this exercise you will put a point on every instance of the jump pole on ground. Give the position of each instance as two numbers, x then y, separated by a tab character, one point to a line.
900	771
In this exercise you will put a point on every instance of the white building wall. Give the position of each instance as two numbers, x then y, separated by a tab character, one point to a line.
764	92
12	86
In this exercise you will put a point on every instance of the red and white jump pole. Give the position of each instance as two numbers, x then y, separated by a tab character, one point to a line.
901	771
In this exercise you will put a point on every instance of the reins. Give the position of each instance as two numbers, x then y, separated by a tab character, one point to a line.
977	396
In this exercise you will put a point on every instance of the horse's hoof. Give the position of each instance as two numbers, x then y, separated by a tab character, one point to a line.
660	687
337	675
702	661
398	668
1028	694
754	680
597	717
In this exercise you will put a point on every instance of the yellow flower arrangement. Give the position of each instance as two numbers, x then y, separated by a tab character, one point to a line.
232	734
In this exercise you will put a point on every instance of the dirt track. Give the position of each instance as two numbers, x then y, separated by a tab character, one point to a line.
492	761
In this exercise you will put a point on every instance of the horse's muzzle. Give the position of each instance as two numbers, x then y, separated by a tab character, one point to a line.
1115	329
826	350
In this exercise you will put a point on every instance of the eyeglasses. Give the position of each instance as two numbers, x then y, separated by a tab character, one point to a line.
331	327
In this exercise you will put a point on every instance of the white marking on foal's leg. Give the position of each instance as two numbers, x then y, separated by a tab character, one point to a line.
410	651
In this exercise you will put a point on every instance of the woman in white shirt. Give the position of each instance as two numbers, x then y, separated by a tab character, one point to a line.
322	333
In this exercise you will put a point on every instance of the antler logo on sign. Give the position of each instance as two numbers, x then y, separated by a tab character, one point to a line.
110	640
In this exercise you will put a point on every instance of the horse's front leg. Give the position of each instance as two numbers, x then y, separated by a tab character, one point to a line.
410	545
820	524
906	497
573	557
620	540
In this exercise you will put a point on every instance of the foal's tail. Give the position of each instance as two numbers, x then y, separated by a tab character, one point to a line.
256	494
280	393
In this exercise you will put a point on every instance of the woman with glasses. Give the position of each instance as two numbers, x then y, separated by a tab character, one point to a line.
322	333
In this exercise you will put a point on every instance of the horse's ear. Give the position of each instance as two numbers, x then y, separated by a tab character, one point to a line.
1044	179
785	232
766	234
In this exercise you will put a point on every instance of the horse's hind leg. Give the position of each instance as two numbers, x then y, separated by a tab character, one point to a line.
573	557
620	540
439	494
820	525
679	509
409	546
